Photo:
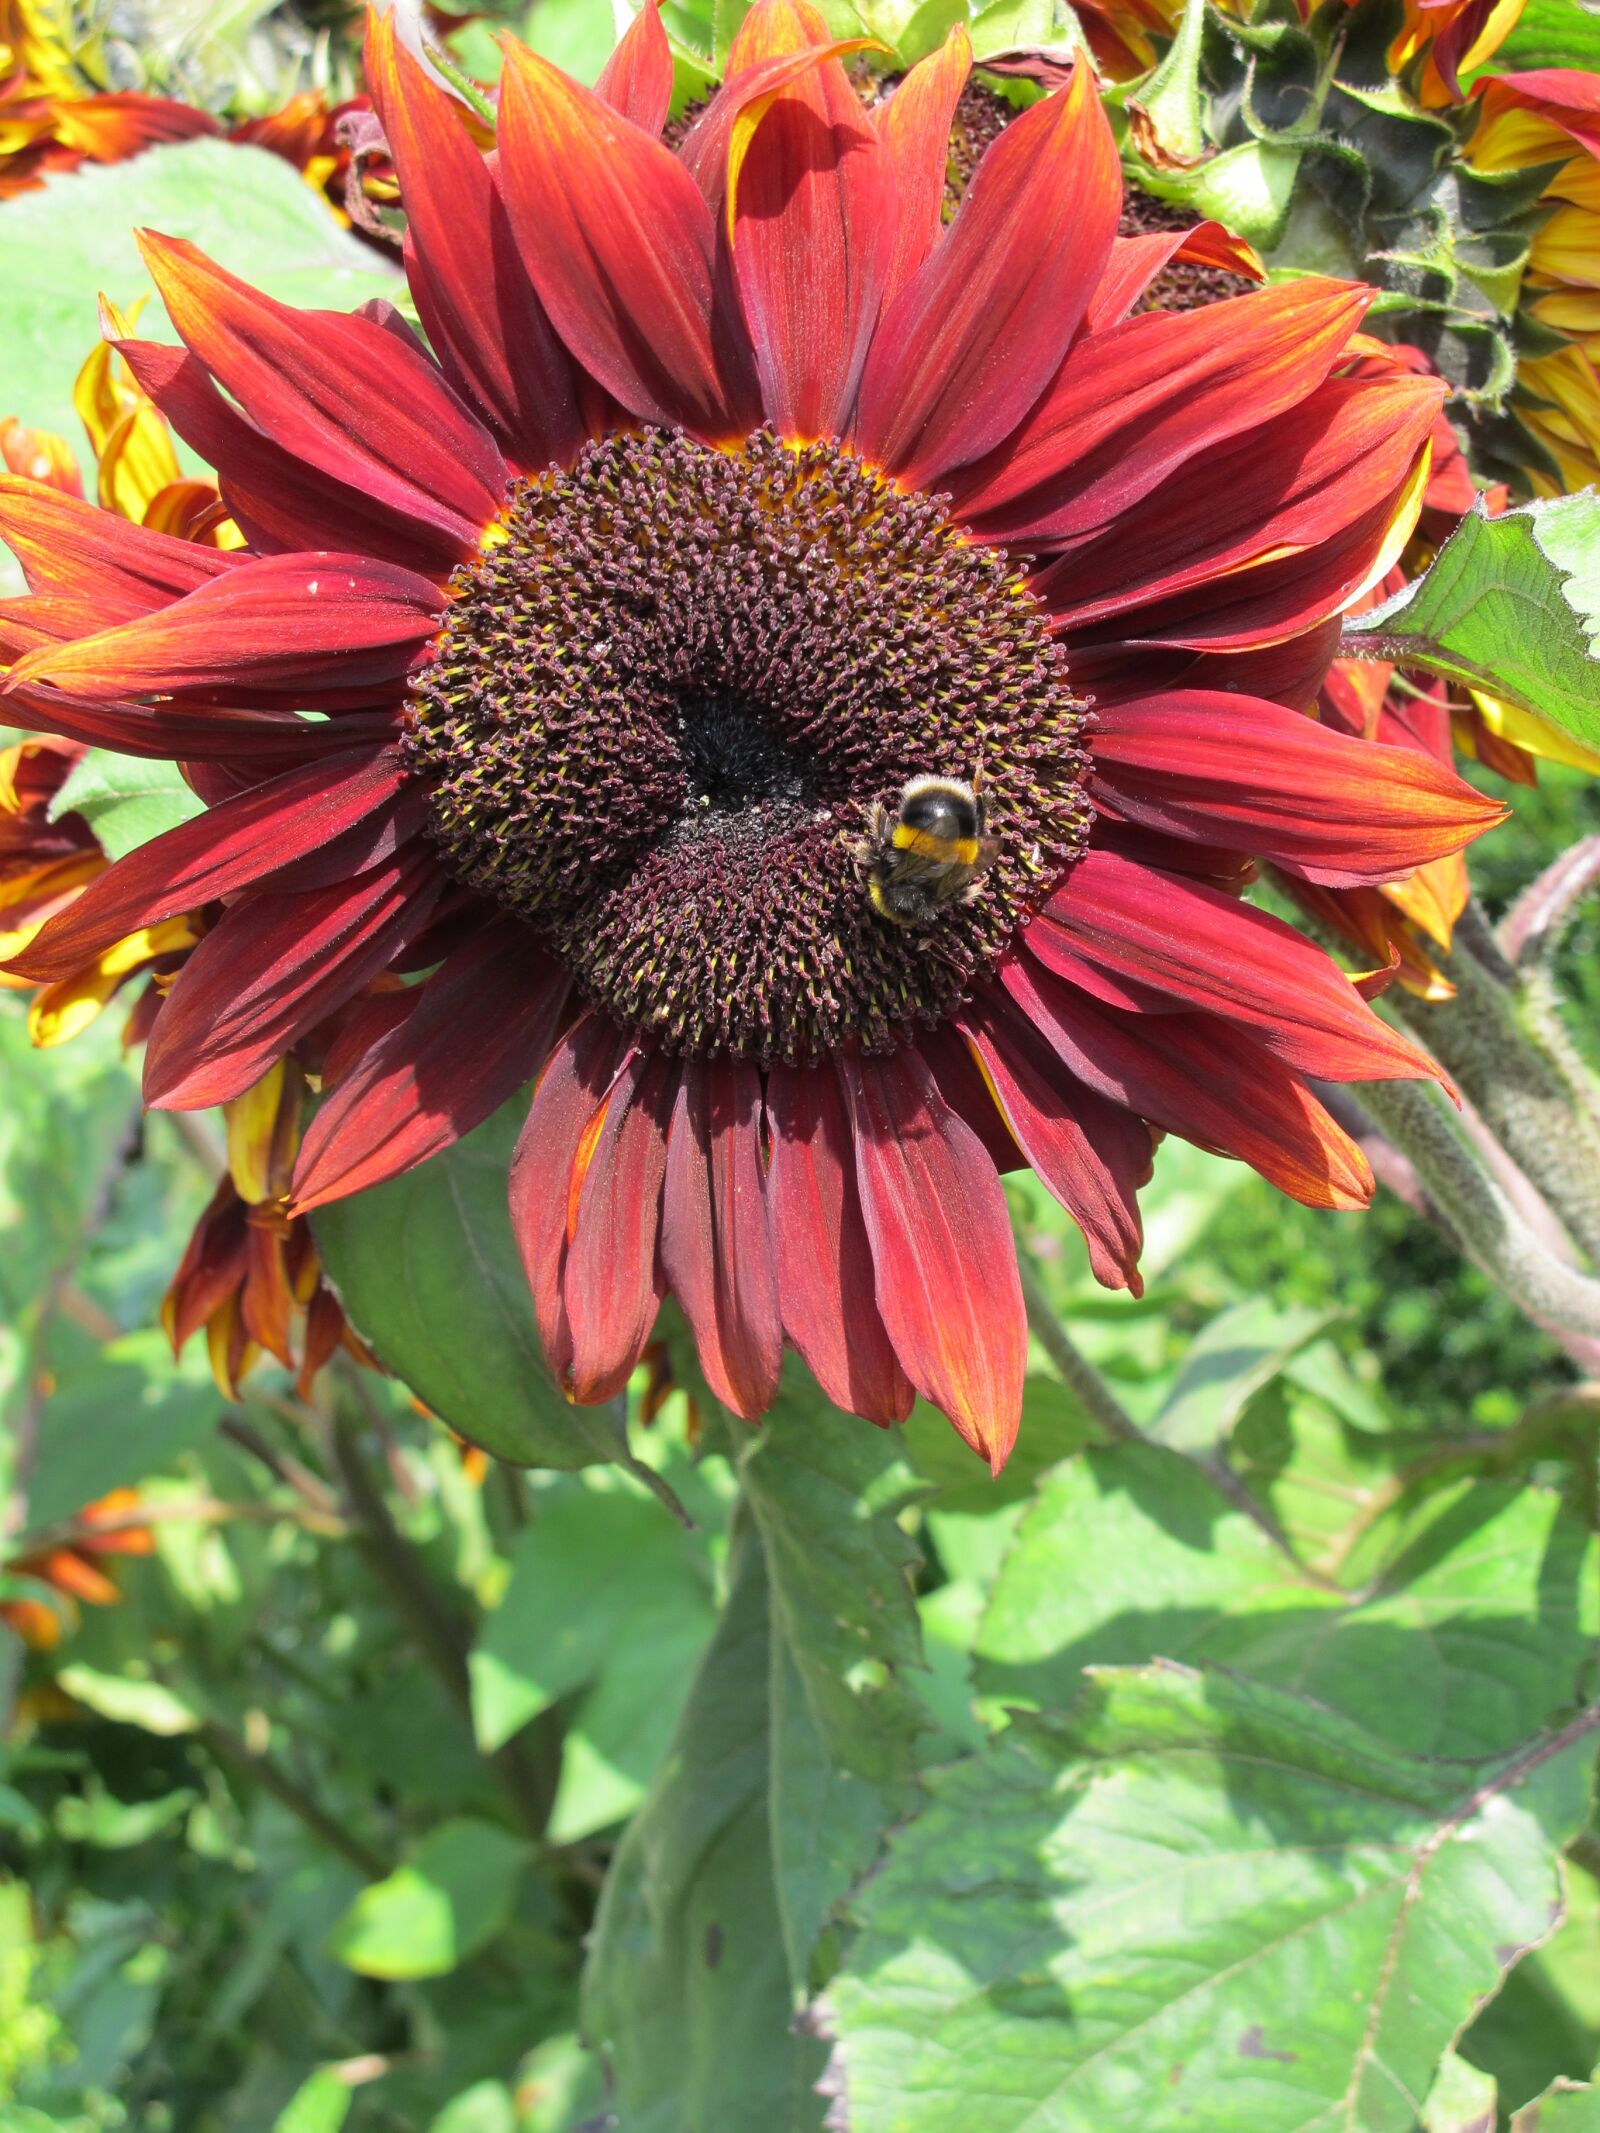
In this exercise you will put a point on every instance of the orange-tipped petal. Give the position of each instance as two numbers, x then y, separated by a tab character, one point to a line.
811	203
619	243
976	335
915	128
945	1264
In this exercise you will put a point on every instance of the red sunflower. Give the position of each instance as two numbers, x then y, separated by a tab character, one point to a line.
736	492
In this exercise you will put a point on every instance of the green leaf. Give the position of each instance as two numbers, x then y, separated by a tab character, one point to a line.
1197	1904
1565	2107
126	800
689	1988
1551	33
1017	26
825	1493
1462	2099
74	238
427	1270
161	1409
1171	104
149	1705
454	1893
1229	1361
1474	1620
1511	606
927	27
320	2105
602	1583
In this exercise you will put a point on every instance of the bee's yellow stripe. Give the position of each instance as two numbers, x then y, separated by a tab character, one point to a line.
950	851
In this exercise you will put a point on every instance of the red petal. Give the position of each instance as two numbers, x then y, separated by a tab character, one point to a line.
1136	261
813	225
261	738
341	392
279	501
473	295
1290	484
1129	406
944	1262
821	1251
619	244
715	1249
67	546
216	854
482	1027
1211	951
546	1173
1241	772
973	339
1200	1079
301	623
707	147
637	78
272	968
1091	1154
612	1285
915	128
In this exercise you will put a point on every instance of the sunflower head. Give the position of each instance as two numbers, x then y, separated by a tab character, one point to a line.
735	490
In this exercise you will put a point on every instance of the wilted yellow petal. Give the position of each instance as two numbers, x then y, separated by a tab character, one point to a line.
1535	735
251	1120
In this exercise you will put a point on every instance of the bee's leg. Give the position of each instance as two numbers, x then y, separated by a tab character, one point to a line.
866	848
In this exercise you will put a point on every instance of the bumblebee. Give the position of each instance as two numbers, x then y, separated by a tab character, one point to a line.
928	854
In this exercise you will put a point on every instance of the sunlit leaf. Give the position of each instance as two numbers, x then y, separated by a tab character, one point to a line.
1197	1903
1509	606
454	1893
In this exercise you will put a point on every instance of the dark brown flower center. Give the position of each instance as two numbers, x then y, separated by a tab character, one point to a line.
667	701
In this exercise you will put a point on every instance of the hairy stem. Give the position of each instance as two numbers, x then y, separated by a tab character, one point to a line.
1522	1092
1492	1234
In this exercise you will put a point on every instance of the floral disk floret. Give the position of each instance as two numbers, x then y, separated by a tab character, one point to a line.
733	490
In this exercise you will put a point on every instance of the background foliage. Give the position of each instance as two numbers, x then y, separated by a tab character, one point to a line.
1219	1769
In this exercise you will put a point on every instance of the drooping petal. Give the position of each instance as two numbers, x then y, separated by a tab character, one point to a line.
1211	951
945	1265
715	1247
979	331
218	853
709	149
1289	485
821	1251
483	317
482	1028
271	968
1093	1155
1201	1079
339	391
619	244
335	625
73	548
1129	406
811	203
914	125
277	500
547	1168
1238	771
612	1284
637	79
1134	263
